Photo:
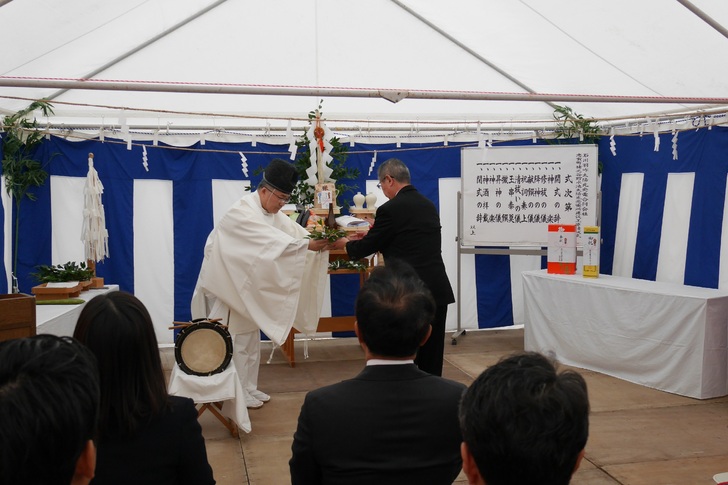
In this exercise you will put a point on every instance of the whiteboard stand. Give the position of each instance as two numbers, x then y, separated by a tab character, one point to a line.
460	330
473	250
548	174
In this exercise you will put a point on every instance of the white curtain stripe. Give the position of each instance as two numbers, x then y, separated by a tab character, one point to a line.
224	194
67	219
628	216
723	271
675	228
520	264
154	253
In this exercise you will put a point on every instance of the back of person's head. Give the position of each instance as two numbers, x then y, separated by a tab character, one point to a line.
395	168
394	310
522	422
118	329
49	402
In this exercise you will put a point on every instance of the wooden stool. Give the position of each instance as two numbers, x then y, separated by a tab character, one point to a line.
221	394
215	408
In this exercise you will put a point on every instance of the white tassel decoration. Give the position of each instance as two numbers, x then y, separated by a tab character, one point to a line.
145	160
244	163
674	144
374	162
612	143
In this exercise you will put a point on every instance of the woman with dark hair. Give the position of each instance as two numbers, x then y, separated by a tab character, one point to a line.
145	435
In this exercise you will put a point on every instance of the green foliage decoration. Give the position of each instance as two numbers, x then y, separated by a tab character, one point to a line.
304	194
20	169
573	127
70	271
321	231
346	264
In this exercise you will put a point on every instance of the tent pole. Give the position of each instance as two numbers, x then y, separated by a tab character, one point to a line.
467	49
141	46
339	92
704	17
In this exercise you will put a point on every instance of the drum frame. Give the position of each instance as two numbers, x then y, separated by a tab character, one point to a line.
189	328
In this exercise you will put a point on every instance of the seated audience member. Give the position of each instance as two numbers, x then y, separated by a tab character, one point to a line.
145	435
522	422
392	423
49	403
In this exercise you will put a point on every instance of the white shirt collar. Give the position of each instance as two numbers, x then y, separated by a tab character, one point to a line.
389	362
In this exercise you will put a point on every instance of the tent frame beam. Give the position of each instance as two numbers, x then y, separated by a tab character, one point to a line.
251	89
468	49
705	17
141	46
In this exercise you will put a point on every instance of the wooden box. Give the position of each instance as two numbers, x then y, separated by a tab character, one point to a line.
43	292
97	282
17	316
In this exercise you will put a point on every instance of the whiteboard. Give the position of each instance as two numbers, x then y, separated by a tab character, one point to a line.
511	194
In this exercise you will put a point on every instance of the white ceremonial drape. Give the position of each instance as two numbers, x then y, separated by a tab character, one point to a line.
259	266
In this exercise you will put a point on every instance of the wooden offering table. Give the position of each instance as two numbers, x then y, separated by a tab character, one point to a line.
330	324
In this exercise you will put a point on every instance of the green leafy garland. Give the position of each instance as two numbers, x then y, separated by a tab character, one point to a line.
346	264
69	271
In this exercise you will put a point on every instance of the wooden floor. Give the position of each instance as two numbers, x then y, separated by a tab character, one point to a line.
638	436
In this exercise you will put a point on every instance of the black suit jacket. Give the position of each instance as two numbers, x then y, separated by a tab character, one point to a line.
407	227
169	450
390	424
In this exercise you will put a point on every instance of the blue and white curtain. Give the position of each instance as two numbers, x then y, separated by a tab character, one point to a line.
661	218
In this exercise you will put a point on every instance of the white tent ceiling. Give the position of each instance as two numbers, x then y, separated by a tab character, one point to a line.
350	52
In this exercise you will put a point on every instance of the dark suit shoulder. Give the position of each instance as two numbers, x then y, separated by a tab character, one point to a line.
397	375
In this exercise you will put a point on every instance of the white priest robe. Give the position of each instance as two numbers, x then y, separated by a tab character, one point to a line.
258	270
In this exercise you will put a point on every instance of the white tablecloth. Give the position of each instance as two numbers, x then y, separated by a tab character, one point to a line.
662	335
224	386
61	319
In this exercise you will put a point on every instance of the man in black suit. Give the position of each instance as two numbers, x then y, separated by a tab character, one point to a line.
393	423
407	227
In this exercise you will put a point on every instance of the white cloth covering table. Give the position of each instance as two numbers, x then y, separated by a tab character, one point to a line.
222	387
61	319
661	335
